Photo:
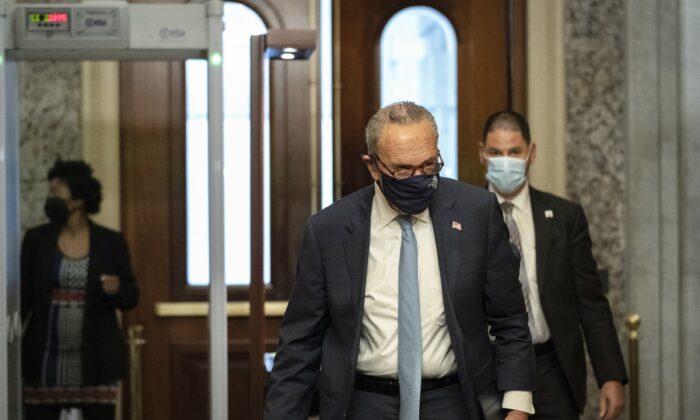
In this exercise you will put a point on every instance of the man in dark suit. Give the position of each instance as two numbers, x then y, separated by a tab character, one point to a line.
559	277
396	286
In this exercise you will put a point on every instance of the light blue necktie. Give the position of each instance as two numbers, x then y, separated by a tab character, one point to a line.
410	338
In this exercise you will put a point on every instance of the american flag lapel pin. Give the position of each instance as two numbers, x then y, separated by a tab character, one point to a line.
548	214
456	225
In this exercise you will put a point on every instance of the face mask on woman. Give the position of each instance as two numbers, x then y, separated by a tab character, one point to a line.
56	210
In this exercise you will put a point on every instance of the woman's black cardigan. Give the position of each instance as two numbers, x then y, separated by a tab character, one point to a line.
103	352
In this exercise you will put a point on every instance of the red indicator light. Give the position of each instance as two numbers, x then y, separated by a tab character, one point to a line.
57	17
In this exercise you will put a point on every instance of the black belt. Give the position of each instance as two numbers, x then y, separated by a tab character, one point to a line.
544	348
389	386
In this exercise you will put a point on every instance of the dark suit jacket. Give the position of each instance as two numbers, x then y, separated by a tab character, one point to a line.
103	354
571	293
320	332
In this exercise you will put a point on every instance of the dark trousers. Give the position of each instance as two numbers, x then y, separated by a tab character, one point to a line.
446	403
552	397
53	411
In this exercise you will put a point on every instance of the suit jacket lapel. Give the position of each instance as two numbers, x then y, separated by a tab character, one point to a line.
543	233
448	237
356	245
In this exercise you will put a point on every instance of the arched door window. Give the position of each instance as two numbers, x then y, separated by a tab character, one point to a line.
419	63
240	23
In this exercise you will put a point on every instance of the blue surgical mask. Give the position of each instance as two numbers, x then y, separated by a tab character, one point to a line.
506	174
411	195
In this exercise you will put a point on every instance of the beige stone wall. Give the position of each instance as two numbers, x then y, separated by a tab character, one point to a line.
100	133
546	106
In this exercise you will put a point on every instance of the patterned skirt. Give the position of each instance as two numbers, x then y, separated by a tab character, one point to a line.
61	371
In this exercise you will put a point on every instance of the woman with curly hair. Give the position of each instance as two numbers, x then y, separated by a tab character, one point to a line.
75	274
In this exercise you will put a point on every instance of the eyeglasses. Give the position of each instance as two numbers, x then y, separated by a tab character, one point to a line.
403	172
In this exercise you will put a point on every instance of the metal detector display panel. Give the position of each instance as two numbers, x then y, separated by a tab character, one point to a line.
72	27
48	20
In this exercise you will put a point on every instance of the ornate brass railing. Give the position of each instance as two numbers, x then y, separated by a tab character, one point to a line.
136	341
633	321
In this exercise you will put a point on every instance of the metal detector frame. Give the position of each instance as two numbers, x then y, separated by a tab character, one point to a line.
10	235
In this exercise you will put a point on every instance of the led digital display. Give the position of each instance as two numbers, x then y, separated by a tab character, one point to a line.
48	20
57	17
48	17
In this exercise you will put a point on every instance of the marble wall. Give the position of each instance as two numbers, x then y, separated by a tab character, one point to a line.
595	147
49	128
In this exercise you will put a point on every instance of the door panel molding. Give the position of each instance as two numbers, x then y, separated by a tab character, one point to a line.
201	309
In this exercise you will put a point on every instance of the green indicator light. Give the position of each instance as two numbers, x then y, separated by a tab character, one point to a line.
34	17
215	59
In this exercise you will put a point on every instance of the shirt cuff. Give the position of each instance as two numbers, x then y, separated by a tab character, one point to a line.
518	400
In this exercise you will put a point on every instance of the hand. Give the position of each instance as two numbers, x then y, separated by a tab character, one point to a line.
110	284
517	415
612	400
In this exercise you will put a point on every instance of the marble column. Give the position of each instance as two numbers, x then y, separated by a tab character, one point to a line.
595	146
663	143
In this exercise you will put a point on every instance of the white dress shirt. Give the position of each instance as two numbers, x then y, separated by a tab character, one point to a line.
379	342
379	337
522	214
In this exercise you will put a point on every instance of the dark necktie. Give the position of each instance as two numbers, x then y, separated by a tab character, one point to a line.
507	207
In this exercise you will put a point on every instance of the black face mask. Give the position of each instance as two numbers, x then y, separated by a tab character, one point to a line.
56	210
411	195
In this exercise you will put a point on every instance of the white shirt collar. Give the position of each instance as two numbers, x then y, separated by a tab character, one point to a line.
386	214
520	201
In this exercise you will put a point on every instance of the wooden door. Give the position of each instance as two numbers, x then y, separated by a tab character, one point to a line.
490	72
175	365
152	106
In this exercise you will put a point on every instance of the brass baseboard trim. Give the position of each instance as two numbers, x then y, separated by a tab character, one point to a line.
201	309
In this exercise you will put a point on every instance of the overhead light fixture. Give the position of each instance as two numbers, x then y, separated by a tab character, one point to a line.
278	42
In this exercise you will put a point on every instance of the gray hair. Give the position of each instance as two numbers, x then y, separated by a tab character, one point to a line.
402	113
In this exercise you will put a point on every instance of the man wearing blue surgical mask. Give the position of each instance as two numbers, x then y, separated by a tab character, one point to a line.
396	287
559	279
